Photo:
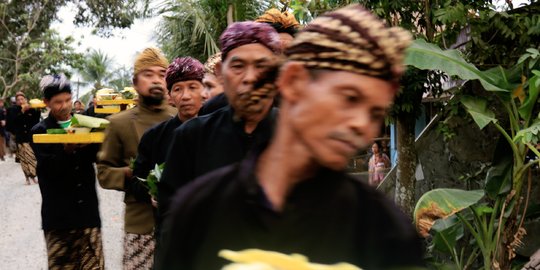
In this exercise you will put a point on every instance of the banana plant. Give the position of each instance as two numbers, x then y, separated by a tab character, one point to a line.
495	219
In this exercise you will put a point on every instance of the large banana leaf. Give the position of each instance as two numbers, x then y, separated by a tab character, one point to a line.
424	55
80	120
477	107
526	109
442	203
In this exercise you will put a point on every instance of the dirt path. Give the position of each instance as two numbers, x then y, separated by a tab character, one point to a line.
21	239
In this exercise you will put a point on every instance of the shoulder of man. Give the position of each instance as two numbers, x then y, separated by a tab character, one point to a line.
202	190
201	123
40	127
123	115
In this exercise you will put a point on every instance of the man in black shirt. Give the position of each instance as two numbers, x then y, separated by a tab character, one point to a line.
294	195
67	181
184	82
211	141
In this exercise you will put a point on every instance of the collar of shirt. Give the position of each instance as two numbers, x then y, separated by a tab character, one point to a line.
264	126
305	192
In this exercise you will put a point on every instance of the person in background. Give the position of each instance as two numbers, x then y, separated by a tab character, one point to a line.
78	107
2	130
378	164
119	149
184	82
212	87
184	76
284	22
11	113
294	196
24	119
91	109
67	181
224	137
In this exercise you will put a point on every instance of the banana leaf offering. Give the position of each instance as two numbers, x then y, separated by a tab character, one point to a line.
79	120
153	179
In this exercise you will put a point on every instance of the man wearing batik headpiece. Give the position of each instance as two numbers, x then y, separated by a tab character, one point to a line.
213	87
284	22
120	148
294	196
224	137
67	182
184	82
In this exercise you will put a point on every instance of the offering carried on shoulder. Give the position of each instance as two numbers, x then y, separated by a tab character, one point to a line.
37	103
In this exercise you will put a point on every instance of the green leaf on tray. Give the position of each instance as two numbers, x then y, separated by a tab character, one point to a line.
56	131
80	120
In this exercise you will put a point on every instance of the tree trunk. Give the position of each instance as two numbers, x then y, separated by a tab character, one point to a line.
406	163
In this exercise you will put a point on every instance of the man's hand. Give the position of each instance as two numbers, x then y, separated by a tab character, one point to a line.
534	262
128	173
25	107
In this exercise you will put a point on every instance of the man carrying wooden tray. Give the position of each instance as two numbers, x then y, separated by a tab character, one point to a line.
69	211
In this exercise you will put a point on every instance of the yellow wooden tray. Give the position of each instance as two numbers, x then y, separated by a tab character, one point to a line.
115	102
107	110
92	137
38	105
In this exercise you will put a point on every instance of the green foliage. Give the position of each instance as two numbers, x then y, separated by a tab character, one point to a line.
29	49
192	27
153	179
120	78
424	55
504	180
107	15
96	69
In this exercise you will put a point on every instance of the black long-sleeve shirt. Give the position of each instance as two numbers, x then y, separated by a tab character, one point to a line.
206	143
67	182
330	218
23	123
214	104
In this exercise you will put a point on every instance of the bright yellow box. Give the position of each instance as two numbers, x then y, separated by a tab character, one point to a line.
92	137
107	110
115	102
38	105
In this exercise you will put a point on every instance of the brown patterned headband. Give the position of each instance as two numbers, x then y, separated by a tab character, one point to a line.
351	39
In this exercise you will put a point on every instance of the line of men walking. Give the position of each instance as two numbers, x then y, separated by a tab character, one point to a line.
242	174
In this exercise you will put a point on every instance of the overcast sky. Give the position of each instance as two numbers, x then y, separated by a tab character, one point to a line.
122	47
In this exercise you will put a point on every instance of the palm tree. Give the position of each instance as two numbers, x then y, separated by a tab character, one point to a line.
96	68
192	27
121	78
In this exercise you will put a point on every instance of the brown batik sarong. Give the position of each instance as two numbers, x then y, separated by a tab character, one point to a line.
75	249
27	159
138	251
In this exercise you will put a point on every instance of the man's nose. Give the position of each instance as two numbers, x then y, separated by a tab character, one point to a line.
186	95
361	122
250	76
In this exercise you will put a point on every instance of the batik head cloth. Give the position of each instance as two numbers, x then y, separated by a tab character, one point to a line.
283	22
210	65
244	33
52	85
351	39
184	69
148	58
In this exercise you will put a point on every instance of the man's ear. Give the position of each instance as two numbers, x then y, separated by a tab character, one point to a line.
218	72
292	81
46	101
